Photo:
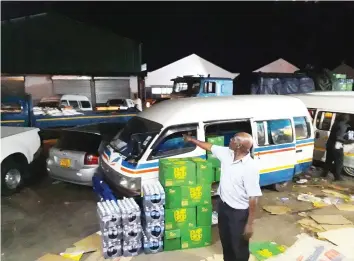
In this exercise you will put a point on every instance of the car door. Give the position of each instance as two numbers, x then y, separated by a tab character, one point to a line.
274	150
322	125
304	144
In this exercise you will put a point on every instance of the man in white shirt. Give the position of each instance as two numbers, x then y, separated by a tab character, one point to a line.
137	102
238	189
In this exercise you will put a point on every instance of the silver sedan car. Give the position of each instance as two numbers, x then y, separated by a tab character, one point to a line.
75	157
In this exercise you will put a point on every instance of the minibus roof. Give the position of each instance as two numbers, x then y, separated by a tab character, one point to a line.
196	109
334	103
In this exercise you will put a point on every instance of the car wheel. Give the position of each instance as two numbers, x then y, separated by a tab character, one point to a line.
282	186
349	171
12	176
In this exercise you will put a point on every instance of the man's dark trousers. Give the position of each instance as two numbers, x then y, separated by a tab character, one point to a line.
231	224
336	156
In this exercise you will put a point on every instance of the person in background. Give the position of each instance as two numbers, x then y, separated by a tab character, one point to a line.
238	189
137	102
334	146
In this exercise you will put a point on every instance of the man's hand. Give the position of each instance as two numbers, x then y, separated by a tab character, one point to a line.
187	138
248	232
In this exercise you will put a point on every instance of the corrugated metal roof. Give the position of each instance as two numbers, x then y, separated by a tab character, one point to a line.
54	44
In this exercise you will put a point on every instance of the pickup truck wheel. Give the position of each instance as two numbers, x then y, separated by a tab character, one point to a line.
12	175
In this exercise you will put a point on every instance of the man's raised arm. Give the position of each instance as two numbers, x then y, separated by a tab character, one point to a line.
200	144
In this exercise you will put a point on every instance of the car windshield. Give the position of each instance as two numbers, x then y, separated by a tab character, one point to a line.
187	87
138	131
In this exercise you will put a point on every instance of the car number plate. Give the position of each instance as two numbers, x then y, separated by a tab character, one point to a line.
65	163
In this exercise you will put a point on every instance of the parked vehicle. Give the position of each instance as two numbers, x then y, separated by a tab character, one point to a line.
77	102
283	138
324	108
19	147
117	105
75	156
18	111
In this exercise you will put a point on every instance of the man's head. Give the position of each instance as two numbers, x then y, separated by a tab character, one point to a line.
135	96
241	142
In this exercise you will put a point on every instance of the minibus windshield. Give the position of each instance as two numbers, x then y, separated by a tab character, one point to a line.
134	138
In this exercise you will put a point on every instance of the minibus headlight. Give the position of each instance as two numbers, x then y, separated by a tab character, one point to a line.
123	182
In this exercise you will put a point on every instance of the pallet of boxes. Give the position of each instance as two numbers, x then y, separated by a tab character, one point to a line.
188	208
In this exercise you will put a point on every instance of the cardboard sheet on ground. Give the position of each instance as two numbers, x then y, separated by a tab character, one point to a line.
264	250
310	224
309	248
277	210
345	207
52	257
342	237
335	194
90	243
331	227
331	219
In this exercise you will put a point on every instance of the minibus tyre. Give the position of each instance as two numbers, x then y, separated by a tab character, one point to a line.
349	171
281	186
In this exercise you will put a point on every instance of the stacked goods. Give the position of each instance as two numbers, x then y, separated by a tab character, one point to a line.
132	230
110	219
187	183
220	141
120	226
154	217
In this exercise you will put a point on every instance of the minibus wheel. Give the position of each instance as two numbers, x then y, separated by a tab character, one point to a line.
349	171
282	186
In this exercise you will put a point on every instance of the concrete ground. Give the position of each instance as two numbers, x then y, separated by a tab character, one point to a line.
49	217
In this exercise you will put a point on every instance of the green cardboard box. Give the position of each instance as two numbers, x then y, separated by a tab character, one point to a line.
172	244
177	172
180	218
204	215
204	171
171	234
215	140
214	161
217	172
188	196
196	237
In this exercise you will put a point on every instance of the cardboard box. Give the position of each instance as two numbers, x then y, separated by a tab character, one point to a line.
188	196
171	234
216	140
196	237
171	244
180	218
204	171
204	215
214	161
217	172
177	172
172	240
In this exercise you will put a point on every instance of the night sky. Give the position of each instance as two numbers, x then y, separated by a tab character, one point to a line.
238	36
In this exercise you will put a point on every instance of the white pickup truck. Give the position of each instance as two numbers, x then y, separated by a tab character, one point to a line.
19	147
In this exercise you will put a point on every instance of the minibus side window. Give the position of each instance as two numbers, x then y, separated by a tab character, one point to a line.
324	120
302	128
280	131
261	133
74	104
173	143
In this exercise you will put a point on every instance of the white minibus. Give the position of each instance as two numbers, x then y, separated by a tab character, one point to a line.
281	127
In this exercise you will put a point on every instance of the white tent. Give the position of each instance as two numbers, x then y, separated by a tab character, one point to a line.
278	66
190	65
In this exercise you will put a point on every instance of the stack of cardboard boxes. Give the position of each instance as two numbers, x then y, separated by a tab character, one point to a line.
188	209
216	140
